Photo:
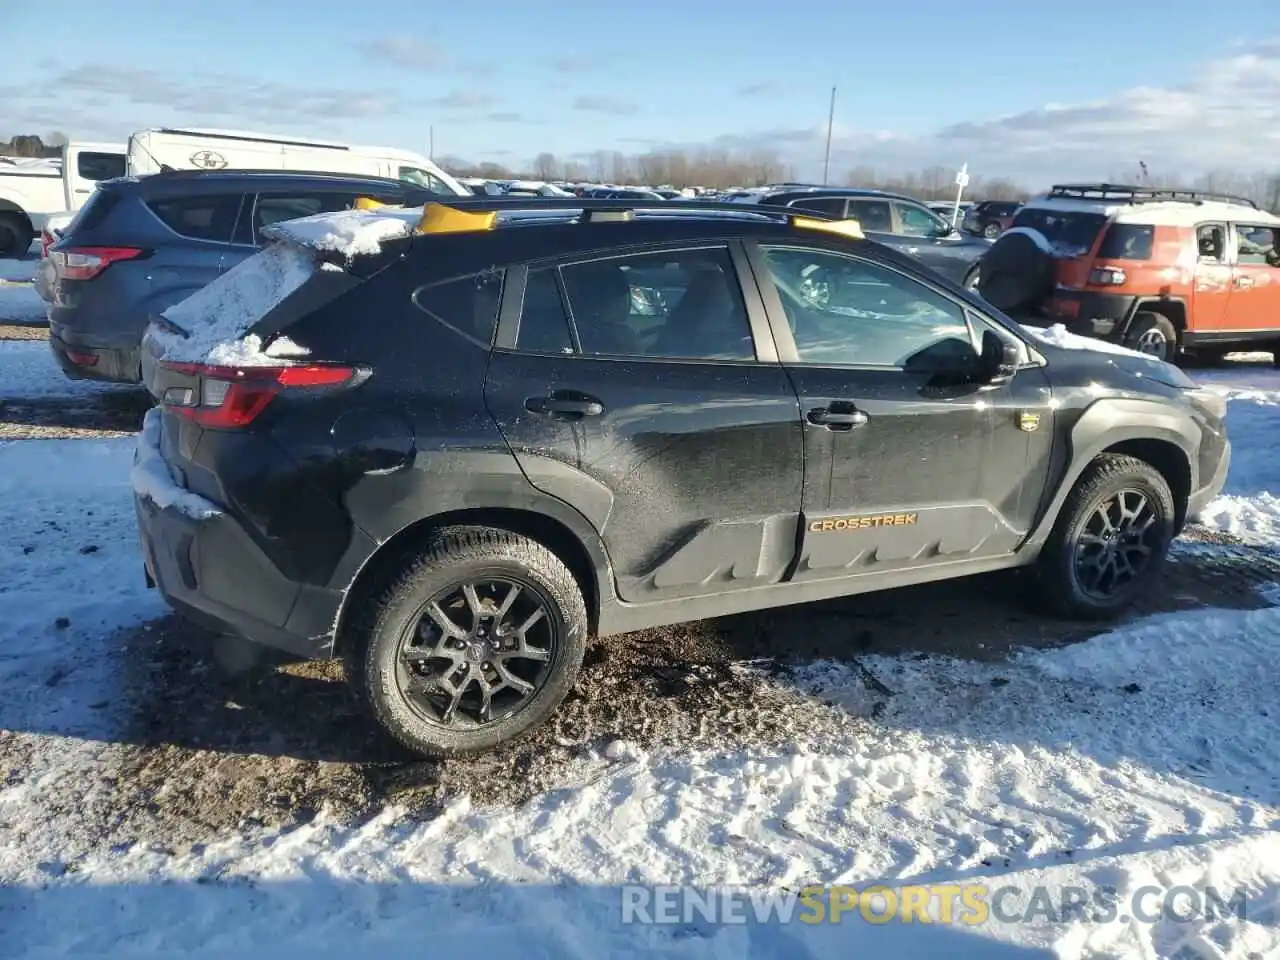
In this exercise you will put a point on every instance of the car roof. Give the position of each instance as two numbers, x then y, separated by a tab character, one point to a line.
833	192
217	181
1150	206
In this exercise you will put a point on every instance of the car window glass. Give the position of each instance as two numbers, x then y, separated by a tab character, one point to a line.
872	215
100	166
1211	241
918	222
199	217
1257	245
467	304
275	207
842	310
685	304
1127	241
424	178
544	322
831	206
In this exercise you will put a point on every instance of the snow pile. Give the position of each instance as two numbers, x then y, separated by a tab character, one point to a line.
223	311
1059	336
152	478
350	233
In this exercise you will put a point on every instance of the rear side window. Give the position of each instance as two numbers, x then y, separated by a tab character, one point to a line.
1127	241
100	166
468	305
686	304
199	218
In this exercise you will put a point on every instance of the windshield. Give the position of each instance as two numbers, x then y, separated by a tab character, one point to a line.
1070	232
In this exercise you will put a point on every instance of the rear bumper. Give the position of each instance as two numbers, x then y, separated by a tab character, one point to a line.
210	571
88	358
1090	313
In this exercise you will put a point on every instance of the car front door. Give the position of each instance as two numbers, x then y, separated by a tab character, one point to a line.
1255	296
643	389
922	467
931	240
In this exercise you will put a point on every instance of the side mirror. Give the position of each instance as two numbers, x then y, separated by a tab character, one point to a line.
999	360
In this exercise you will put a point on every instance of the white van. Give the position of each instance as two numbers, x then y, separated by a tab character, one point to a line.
167	148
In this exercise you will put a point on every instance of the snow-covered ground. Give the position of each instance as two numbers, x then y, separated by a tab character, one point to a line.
1146	757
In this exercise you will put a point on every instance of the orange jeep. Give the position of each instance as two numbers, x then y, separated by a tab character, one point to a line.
1160	271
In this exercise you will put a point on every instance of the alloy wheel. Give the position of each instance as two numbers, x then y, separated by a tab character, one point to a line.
1116	544
478	653
1153	343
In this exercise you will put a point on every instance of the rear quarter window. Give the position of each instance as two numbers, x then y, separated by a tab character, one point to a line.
468	305
1127	241
94	212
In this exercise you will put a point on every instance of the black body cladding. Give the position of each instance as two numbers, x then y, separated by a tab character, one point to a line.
672	486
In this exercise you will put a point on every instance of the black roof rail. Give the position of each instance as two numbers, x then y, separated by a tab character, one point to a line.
1134	194
196	174
505	204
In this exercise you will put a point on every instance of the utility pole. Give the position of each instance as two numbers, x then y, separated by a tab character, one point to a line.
831	121
431	143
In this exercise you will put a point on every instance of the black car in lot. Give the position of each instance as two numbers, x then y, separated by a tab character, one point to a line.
142	244
451	459
900	222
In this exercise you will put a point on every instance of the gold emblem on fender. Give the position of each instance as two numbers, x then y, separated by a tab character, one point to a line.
862	523
1029	422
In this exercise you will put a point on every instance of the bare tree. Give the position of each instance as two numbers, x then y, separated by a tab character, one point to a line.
545	166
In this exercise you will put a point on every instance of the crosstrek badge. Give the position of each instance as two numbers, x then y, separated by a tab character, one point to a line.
832	524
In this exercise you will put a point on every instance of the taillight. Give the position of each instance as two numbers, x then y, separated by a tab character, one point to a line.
228	398
46	241
1106	277
85	263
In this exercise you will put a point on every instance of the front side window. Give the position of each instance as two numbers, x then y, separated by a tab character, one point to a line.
1257	245
424	178
919	222
848	312
686	304
276	207
872	215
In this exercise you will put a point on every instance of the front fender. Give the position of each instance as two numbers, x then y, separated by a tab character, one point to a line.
1107	423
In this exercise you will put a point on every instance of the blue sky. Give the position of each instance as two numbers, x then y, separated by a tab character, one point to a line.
919	82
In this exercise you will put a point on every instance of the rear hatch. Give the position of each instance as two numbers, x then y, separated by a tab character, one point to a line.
1071	234
217	360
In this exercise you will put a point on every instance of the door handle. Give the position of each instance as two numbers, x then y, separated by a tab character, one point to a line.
565	407
1244	283
837	419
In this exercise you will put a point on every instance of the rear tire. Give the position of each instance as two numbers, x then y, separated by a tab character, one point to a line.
15	235
972	279
409	670
1114	497
1154	335
991	231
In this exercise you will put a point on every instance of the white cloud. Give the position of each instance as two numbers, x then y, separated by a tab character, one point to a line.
1226	116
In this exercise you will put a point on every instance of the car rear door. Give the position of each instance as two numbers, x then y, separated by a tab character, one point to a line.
931	240
904	467
642	388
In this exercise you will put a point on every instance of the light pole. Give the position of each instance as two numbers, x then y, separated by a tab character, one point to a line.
831	121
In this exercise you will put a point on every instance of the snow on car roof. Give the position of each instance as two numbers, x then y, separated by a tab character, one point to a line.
350	233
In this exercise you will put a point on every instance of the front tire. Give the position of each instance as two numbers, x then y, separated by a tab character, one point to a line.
1110	540
472	644
1154	335
991	231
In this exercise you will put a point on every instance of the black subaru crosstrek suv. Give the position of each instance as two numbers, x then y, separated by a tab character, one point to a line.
447	445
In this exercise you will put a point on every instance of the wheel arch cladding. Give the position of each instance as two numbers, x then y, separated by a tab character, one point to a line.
1155	432
556	536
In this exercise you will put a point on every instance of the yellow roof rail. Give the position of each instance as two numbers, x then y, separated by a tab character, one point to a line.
846	228
438	218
